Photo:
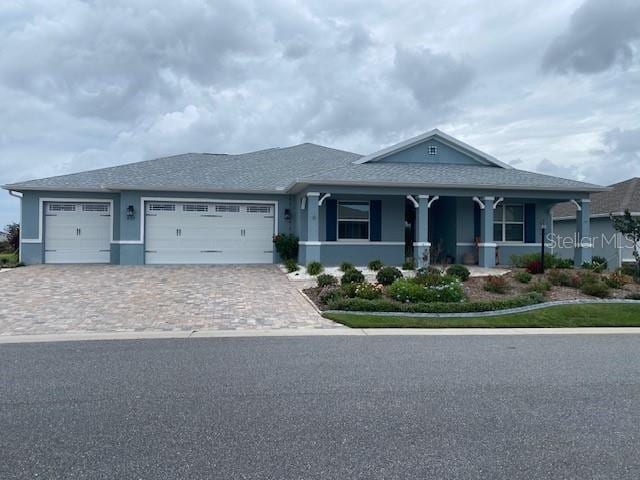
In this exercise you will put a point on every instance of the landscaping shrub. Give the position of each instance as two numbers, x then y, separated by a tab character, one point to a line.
314	268
448	289
286	246
388	275
425	279
560	278
564	263
459	271
541	287
384	305
291	265
375	265
368	291
627	269
330	293
534	266
404	290
352	276
496	284
325	280
522	261
616	280
597	264
523	277
595	289
348	289
346	266
409	264
584	277
13	237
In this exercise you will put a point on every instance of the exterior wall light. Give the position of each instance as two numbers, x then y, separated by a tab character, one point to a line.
287	214
131	212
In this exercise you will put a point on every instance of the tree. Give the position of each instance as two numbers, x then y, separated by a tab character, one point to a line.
13	236
630	227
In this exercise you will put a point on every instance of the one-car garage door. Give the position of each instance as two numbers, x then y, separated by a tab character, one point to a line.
208	233
77	232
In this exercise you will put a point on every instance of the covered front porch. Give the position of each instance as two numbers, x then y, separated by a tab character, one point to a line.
338	225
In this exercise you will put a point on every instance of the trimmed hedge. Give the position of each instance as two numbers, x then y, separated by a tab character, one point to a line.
381	305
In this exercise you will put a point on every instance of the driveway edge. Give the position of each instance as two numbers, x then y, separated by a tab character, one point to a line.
313	332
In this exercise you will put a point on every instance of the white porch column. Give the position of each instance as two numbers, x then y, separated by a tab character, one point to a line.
487	247
582	250
312	246
421	244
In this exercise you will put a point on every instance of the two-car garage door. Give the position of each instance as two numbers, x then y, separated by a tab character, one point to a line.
208	233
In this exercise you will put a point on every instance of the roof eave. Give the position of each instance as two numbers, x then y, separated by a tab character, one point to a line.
298	185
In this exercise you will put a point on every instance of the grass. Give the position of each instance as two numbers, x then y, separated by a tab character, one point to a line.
8	259
611	315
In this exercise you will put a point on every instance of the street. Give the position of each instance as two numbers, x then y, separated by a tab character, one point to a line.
487	407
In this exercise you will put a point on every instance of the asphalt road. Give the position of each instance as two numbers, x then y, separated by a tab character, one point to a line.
323	407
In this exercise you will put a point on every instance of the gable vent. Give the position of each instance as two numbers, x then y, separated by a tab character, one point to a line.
258	209
195	207
62	207
228	208
162	207
432	150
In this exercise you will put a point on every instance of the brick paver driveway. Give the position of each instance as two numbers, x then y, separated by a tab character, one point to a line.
101	298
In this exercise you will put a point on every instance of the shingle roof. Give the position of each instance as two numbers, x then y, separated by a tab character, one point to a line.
280	169
444	175
265	170
622	196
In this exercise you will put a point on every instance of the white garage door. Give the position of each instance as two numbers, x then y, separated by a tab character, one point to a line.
208	233
77	233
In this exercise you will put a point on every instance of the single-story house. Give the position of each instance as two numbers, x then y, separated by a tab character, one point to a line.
429	193
606	242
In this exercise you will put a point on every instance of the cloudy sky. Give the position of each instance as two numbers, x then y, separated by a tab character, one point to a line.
547	86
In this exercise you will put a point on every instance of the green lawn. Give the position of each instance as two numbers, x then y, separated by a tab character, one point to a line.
612	315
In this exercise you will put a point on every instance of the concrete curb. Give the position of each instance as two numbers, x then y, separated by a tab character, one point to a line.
492	313
313	332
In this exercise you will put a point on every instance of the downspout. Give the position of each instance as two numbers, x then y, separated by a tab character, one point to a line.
18	195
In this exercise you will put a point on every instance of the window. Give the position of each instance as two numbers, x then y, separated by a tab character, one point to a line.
95	207
508	223
162	207
258	209
432	150
62	207
195	207
228	208
353	220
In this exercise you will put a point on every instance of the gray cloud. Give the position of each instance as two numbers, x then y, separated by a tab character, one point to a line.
434	78
600	35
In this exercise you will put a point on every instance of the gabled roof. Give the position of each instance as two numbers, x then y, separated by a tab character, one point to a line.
443	137
285	170
620	197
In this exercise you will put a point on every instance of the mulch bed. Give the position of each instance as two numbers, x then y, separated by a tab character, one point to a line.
474	289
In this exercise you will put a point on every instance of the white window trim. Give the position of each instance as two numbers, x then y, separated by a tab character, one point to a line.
504	224
368	221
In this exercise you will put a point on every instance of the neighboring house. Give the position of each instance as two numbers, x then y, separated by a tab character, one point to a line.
606	241
208	208
3	237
